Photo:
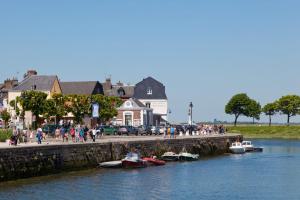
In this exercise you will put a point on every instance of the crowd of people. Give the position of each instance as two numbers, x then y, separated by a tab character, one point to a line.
211	129
75	134
81	134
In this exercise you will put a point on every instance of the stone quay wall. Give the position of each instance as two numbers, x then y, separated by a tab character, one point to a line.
25	162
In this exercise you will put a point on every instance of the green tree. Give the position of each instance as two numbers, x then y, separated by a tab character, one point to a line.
289	105
6	117
107	106
254	110
270	109
55	107
79	106
34	101
238	105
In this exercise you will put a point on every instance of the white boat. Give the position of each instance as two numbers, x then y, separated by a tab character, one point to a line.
184	156
112	164
237	148
170	156
248	146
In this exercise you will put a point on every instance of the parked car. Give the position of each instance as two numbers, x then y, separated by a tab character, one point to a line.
155	130
144	130
127	130
108	130
162	130
179	129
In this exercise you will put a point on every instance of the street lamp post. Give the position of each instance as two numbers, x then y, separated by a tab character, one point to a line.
191	116
191	113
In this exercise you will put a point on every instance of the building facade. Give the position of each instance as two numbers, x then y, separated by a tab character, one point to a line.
152	94
120	90
134	113
47	84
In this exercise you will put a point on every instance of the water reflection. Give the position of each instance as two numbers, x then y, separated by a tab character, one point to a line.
273	174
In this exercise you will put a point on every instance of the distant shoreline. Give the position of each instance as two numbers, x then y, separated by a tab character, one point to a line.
266	132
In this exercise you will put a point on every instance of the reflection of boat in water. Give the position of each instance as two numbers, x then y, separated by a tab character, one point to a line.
258	149
184	156
170	156
133	160
237	148
112	164
154	161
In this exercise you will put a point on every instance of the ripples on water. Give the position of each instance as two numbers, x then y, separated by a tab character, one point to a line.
273	174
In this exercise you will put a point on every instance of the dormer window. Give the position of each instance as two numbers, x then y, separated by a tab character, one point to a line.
149	91
121	92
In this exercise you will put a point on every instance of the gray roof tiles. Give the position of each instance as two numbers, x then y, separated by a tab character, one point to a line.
157	89
37	82
81	88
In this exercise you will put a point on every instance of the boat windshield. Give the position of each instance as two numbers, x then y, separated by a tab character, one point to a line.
132	155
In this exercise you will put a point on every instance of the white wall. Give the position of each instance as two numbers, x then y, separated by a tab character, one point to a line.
159	106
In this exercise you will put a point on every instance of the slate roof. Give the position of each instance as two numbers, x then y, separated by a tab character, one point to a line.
128	90
158	89
81	88
42	83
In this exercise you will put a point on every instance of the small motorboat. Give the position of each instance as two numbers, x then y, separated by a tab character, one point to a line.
248	146
237	148
111	164
184	156
170	156
133	160
154	161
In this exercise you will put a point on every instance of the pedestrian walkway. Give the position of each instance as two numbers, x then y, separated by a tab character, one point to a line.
105	139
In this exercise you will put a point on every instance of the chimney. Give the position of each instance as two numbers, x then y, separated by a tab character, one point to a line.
120	84
29	73
108	85
10	83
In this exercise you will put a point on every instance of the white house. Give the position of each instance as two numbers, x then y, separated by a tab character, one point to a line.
152	94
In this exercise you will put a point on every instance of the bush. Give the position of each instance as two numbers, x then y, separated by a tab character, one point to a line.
5	134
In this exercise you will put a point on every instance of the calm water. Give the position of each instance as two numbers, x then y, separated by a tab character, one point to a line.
274	174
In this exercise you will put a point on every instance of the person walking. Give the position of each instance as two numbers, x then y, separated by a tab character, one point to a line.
66	136
86	130
77	133
62	133
39	135
81	134
94	133
14	137
25	136
57	133
172	131
165	132
72	133
30	135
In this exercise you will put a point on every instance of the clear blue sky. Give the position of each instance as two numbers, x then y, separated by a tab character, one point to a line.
203	51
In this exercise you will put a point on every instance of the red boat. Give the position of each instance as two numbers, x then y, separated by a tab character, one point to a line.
133	160
154	161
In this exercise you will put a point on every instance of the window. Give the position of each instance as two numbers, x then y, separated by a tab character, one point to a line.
128	119
148	105
149	91
121	92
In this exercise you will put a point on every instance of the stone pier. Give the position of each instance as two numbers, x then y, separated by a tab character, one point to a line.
33	160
